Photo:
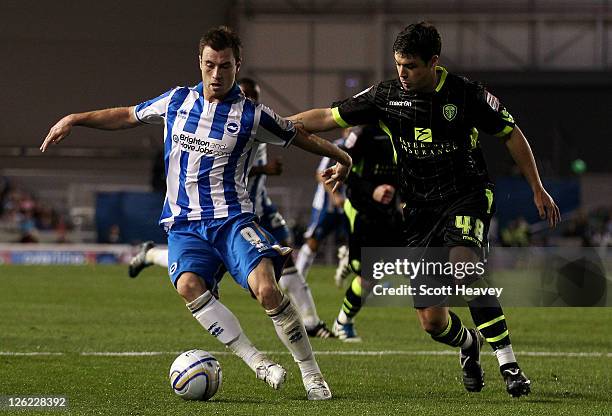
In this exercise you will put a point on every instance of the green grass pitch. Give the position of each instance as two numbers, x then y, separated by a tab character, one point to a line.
78	310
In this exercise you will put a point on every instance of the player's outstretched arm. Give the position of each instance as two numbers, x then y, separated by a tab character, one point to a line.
108	119
315	144
523	156
315	120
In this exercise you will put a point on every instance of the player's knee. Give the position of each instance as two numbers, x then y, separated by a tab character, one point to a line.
433	324
268	295
313	244
190	286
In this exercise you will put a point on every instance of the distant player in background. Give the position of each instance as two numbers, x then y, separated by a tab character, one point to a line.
291	281
209	135
373	210
327	218
433	118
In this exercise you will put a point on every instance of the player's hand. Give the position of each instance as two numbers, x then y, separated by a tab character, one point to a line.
547	207
275	167
57	133
383	193
335	175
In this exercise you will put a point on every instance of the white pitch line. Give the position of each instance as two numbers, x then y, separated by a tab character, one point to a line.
129	353
339	353
13	353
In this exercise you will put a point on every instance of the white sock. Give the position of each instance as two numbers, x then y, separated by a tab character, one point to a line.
505	355
291	332
157	256
244	349
468	340
342	318
221	323
293	283
304	260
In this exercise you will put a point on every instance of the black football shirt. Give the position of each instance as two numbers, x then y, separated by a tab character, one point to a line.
434	135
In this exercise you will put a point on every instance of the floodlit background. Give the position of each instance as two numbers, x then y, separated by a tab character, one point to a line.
72	323
548	61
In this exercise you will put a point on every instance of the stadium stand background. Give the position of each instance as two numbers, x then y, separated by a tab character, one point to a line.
549	61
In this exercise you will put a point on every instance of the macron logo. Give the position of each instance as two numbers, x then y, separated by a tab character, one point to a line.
400	103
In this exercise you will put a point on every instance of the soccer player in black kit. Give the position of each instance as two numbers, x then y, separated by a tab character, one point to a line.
372	207
433	118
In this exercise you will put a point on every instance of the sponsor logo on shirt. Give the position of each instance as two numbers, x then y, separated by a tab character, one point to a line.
193	144
421	134
396	103
421	149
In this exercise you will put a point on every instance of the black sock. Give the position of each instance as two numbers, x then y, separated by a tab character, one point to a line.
352	299
455	333
489	318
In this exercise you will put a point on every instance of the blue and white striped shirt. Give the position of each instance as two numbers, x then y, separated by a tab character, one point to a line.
208	150
257	183
322	200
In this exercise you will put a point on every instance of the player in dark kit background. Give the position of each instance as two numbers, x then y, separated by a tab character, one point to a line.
373	209
433	118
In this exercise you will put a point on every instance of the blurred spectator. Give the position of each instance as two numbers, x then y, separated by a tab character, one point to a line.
62	231
22	213
601	224
516	234
114	234
4	191
27	226
580	227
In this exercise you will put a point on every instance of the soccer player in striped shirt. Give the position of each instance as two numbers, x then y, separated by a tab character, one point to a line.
209	136
292	281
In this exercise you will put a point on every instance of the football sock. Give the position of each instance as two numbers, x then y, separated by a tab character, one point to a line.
455	334
244	349
221	323
157	256
489	318
293	283
304	260
505	357
291	332
352	302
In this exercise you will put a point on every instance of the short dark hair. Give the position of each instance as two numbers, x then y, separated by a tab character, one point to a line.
250	82
220	38
418	39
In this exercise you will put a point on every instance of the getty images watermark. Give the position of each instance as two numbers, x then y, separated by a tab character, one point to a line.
520	277
454	273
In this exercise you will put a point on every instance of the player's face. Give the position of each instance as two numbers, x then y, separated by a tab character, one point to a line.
219	70
414	74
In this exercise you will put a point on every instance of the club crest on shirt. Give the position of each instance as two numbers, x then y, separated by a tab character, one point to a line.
449	111
232	128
